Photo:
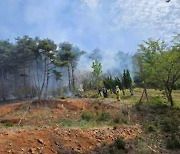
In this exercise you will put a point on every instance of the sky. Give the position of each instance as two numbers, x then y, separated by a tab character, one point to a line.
111	25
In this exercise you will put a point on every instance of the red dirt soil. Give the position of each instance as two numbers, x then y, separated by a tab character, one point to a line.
62	140
50	139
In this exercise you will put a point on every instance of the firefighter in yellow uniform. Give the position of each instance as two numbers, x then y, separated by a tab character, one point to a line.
118	93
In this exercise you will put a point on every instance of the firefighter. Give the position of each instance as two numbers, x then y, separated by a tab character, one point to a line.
105	93
118	93
80	90
100	93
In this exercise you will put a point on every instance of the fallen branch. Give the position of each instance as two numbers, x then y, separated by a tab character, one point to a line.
28	108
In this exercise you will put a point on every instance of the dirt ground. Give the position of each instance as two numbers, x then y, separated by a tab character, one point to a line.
34	127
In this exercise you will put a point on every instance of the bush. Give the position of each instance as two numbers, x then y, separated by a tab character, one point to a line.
87	115
173	142
104	116
121	120
8	124
67	123
117	120
62	97
120	144
113	150
94	96
118	147
158	102
96	106
170	124
151	128
125	112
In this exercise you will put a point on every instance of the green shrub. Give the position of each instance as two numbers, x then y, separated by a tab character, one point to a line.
62	97
8	124
67	123
120	144
125	112
96	106
87	115
170	124
113	150
121	120
94	96
104	116
173	142
158	102
117	120
124	120
118	147
151	128
138	106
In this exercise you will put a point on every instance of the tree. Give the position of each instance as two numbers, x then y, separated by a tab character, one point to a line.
108	82
167	72
66	56
6	52
47	47
118	82
70	55
97	71
25	48
76	54
127	81
160	66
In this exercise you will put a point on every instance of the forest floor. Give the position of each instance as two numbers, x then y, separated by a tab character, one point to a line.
90	125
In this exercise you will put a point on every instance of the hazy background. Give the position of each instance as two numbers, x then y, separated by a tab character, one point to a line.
110	25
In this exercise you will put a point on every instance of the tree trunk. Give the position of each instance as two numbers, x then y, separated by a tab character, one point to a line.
69	77
131	90
123	91
73	78
44	79
47	78
38	76
168	92
2	83
24	78
47	84
140	101
171	99
144	92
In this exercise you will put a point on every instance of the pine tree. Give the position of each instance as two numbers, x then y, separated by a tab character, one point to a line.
127	81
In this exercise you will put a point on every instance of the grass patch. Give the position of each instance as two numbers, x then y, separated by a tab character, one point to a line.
173	142
8	124
120	144
104	116
151	127
87	115
79	123
170	124
118	147
120	120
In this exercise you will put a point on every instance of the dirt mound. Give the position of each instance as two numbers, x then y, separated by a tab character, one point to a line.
5	109
62	140
10	120
38	134
44	103
70	104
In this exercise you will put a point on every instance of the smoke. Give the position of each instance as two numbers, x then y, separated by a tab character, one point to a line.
113	63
